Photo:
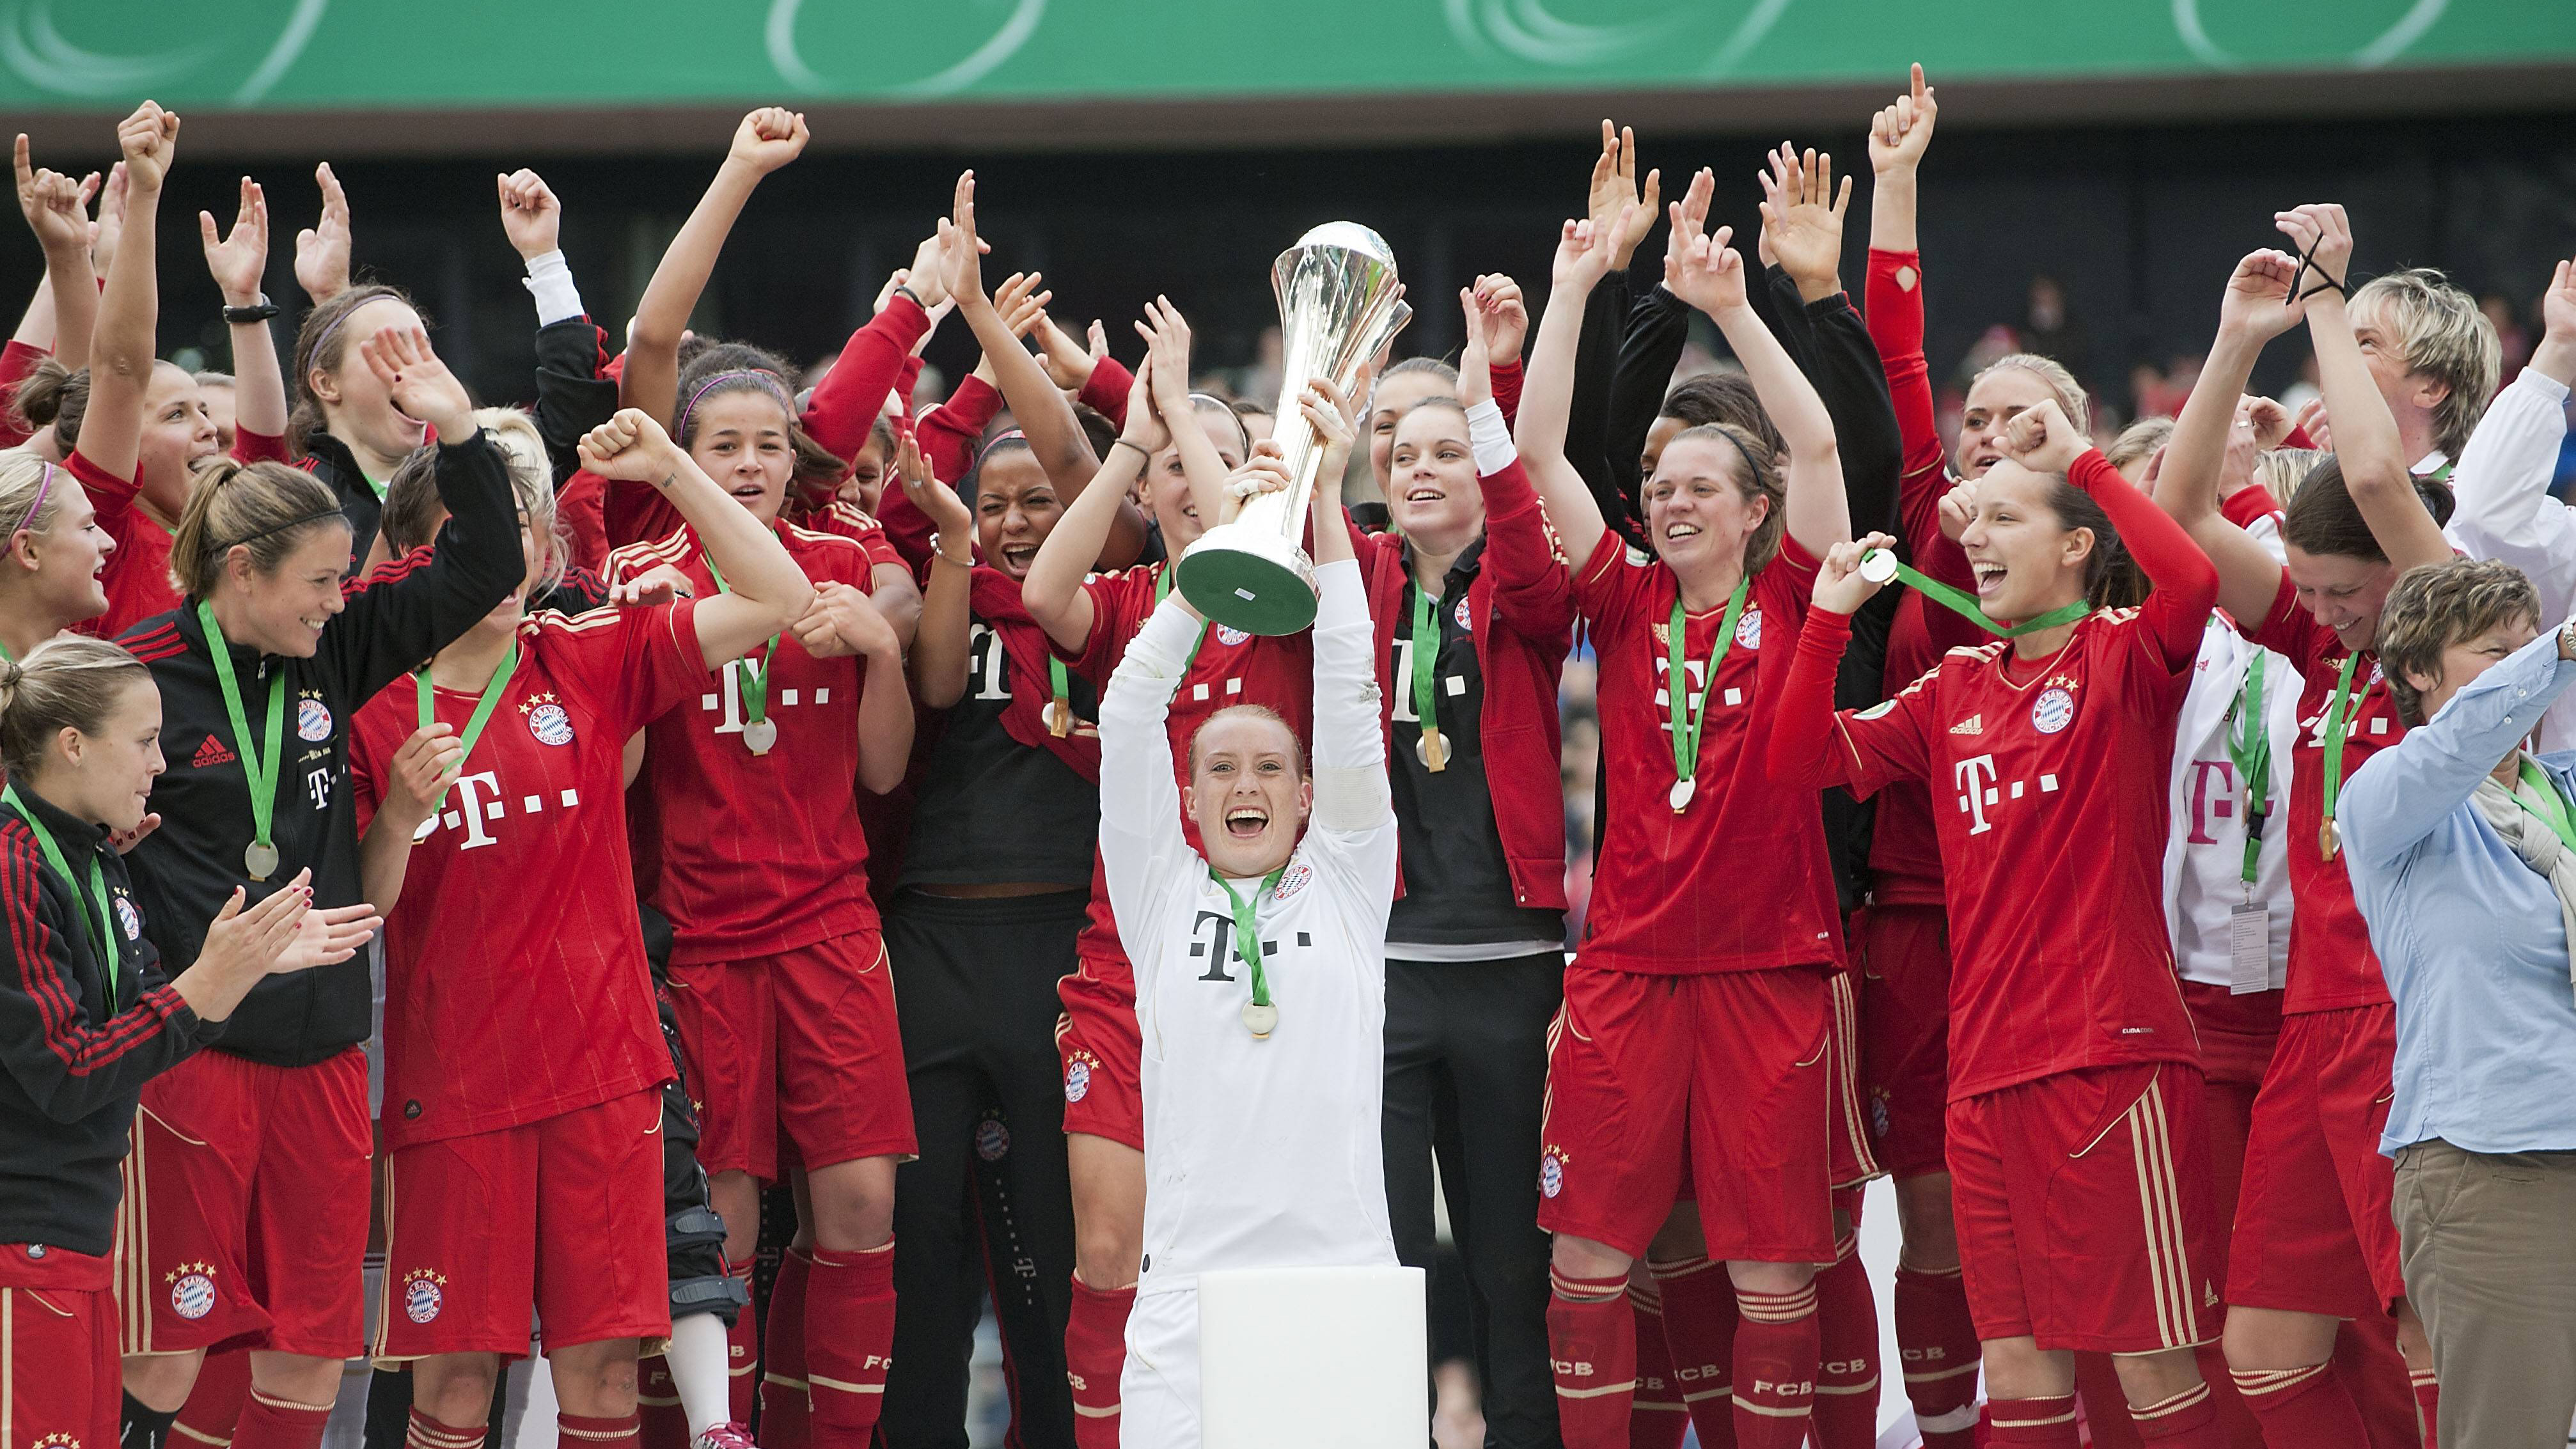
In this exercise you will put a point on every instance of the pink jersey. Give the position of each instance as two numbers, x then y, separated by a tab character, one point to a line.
515	985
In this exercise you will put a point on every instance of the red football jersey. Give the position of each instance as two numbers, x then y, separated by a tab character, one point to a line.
515	983
1740	880
1904	849
1231	668
2331	963
2048	781
756	854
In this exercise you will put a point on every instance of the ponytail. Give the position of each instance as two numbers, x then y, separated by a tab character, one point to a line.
268	508
66	683
53	396
2112	578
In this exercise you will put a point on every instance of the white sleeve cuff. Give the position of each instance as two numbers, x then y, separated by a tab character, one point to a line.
549	280
1491	437
2542	383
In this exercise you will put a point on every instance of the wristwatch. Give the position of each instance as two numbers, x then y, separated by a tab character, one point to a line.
259	311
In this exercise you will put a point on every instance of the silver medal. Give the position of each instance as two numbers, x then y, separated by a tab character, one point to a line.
1262	1020
1878	566
760	735
1432	749
260	859
1681	795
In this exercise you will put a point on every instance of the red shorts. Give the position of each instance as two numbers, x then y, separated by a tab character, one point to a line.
1731	1066
2238	1034
1904	956
245	1213
2314	1233
1097	1039
1852	1159
563	1215
60	1384
802	1042
2082	1202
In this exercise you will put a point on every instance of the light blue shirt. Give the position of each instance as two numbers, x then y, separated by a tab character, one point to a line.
2469	936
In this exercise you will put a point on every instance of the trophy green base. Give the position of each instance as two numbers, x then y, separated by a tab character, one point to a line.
1249	578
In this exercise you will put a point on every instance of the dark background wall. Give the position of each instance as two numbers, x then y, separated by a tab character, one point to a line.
2140	223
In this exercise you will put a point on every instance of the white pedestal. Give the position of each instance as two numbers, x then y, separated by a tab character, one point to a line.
1290	1358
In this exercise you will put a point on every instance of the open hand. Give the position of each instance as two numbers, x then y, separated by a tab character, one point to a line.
1614	181
420	384
322	249
239	260
1802	219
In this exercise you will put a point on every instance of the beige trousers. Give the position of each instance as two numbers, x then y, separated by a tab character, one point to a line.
2489	1242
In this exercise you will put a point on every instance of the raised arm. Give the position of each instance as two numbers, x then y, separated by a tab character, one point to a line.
2502	483
942	648
1142	851
2044	440
767	139
1705	272
1053	591
1167	347
120	368
322	249
765	587
846	404
1533	589
574	392
52	204
2401	793
1582	255
237	262
2256	308
2365	433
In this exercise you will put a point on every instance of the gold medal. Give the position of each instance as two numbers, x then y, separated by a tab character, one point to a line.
1262	1020
2329	840
1432	750
1059	718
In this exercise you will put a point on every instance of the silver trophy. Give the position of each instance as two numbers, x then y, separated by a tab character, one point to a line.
1338	305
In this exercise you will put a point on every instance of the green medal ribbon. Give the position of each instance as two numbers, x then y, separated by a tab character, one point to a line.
1426	660
260	772
1686	719
1247	937
2551	809
1961	602
2338	720
1059	710
2249	745
101	933
492	693
752	679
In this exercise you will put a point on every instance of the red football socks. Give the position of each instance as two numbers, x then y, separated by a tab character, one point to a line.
1657	1417
849	1343
1700	1327
1939	1344
425	1432
657	1407
2428	1405
742	1352
1847	1371
1095	1353
1592	1344
785	1401
2047	1423
269	1423
572	1431
1775	1368
215	1401
2188	1420
2300	1407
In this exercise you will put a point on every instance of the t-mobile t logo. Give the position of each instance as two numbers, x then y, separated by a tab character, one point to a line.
2205	808
1974	776
477	796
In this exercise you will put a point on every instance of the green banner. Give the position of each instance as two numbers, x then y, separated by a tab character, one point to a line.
430	54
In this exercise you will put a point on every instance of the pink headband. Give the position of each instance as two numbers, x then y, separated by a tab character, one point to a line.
768	382
997	440
44	486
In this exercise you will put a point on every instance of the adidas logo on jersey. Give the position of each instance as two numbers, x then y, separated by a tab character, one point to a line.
1974	724
213	752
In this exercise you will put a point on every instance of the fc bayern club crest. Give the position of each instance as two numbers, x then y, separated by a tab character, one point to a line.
550	724
2054	710
192	1290
1463	620
1748	629
129	918
1293	880
1229	636
992	1140
312	721
1077	1080
1551	1173
423	1295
